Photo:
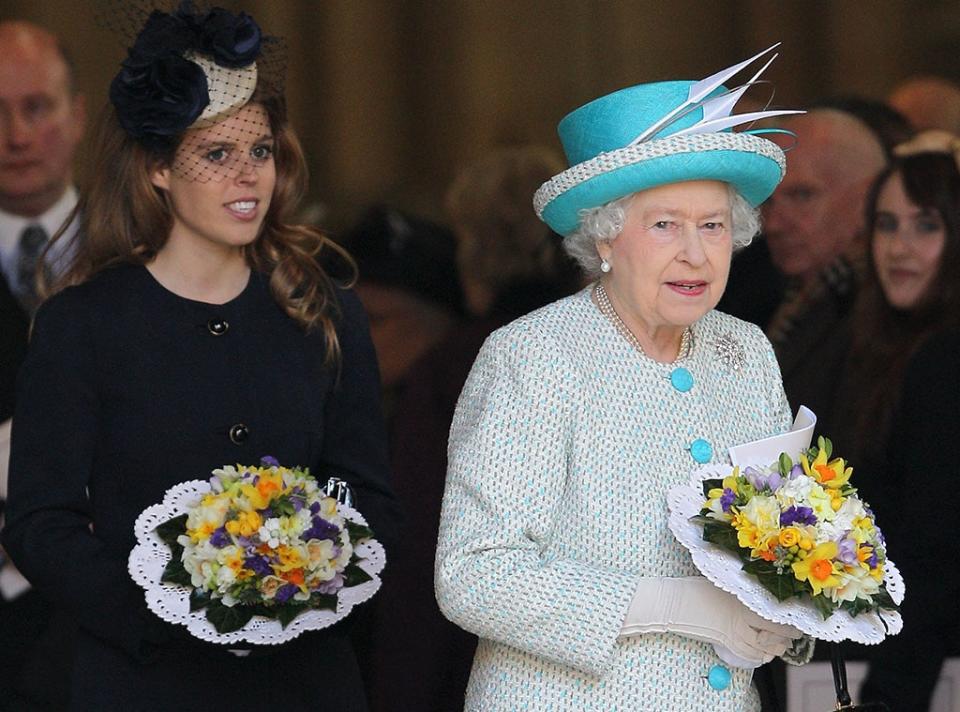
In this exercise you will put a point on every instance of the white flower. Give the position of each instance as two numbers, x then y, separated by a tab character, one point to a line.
855	582
346	551
763	512
795	491
270	532
225	576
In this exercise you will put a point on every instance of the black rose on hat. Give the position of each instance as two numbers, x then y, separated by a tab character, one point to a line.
158	101
159	92
232	40
162	34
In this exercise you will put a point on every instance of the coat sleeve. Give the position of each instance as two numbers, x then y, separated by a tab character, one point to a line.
508	453
48	530
355	440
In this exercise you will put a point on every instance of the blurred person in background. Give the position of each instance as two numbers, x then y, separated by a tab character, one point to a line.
509	263
757	288
42	119
408	285
814	227
928	103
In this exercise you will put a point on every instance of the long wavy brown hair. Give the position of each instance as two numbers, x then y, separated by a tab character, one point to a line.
124	219
885	338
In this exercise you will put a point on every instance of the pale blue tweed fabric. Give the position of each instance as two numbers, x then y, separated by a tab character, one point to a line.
563	446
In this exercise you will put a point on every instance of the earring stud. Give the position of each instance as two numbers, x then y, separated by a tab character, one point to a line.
604	266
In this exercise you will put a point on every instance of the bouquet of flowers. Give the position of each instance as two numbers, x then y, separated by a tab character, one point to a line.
789	536
264	542
802	531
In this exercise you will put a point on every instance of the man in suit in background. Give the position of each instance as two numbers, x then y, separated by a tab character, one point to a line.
42	119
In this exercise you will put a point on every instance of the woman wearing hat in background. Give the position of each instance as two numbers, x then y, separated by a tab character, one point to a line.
193	328
576	419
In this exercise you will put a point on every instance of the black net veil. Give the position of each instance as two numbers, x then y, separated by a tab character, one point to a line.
195	84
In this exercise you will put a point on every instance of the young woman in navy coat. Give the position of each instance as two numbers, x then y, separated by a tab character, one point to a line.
194	329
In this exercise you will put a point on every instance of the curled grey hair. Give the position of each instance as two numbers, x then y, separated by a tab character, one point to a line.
607	221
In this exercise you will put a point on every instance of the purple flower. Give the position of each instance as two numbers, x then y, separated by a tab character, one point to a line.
797	515
260	565
285	593
331	586
314	508
727	498
847	551
762	481
873	559
219	538
269	461
321	529
796	471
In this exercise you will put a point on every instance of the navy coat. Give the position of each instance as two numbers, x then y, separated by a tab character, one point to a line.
129	389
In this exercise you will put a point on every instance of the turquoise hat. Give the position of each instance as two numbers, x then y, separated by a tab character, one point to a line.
656	134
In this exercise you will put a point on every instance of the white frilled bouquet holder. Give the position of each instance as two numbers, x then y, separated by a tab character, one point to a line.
171	602
723	568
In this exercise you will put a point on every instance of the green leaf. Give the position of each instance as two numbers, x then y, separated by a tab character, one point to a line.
858	606
227	619
786	464
781	585
721	534
283	506
324	601
199	599
247	596
175	573
285	614
171	529
353	575
825	445
824	605
358	532
711	484
882	599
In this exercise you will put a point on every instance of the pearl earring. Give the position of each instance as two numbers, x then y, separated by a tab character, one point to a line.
604	266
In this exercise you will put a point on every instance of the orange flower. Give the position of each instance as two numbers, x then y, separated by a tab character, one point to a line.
294	577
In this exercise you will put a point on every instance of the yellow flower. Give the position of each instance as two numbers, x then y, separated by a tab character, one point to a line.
818	567
833	474
822	503
789	537
290	558
246	524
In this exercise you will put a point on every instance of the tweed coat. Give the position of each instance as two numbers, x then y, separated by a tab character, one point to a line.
564	444
129	389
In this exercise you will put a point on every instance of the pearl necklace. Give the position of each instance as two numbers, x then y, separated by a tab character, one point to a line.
606	308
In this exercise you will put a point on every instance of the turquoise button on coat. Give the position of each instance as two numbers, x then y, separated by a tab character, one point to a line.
719	677
681	379
701	450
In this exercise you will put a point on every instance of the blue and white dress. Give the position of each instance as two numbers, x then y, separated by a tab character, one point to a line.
564	444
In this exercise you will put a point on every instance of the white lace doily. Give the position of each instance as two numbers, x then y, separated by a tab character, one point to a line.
722	568
172	602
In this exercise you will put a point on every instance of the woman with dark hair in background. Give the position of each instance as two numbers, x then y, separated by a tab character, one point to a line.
900	400
193	328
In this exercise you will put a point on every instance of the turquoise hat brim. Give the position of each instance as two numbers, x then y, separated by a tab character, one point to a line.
753	175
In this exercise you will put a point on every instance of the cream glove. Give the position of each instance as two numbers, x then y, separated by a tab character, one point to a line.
695	608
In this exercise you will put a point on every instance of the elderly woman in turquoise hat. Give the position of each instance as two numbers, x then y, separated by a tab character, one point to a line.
576	419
